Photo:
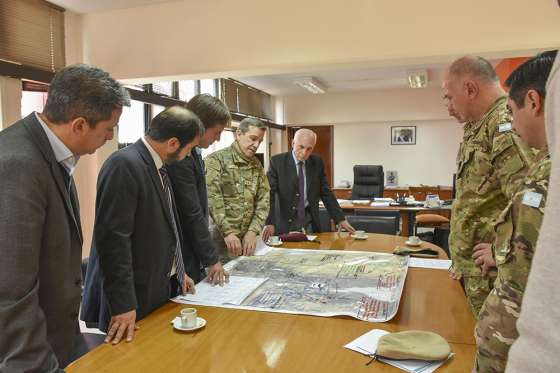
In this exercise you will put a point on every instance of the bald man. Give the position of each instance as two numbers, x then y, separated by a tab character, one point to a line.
297	182
491	162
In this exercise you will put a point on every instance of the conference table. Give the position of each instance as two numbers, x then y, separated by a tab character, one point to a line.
249	341
407	213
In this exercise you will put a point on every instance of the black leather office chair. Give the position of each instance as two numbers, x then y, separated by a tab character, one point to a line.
394	214
374	224
368	182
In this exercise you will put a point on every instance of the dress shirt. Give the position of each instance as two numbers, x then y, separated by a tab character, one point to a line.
62	154
304	177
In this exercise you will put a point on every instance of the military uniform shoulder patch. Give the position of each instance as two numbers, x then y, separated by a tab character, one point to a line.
504	127
532	199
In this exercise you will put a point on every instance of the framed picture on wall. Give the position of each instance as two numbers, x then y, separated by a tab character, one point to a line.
403	135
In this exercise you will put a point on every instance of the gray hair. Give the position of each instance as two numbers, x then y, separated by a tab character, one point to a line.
250	122
84	91
475	67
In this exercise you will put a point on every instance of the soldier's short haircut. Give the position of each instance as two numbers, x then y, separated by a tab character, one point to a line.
177	122
474	67
247	123
211	110
531	75
84	91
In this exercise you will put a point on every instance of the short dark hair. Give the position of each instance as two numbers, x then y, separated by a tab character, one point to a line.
84	91
178	122
251	122
532	74
211	110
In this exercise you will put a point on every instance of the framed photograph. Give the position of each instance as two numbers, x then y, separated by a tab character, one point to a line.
403	135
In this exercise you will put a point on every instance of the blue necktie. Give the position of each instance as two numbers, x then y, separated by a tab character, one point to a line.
179	265
301	192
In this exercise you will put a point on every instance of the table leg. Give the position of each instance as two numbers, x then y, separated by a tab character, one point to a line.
405	229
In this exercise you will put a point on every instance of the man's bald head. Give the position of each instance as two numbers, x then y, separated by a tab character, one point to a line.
473	67
303	143
470	87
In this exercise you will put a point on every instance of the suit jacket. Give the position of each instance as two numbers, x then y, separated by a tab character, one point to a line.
133	240
283	179
189	187
41	250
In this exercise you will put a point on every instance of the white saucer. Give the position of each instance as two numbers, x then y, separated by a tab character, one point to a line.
364	237
200	322
408	243
274	244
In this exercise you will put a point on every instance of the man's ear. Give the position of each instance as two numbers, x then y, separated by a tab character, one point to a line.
536	102
79	125
471	88
173	144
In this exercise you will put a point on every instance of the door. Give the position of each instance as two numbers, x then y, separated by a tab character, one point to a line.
323	147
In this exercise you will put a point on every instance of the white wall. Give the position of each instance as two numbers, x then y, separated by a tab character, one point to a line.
248	37
362	122
431	161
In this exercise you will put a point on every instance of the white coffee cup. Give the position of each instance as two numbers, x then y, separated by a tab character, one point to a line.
359	233
274	239
188	317
414	240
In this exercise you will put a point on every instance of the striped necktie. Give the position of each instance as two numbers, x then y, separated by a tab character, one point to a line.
179	264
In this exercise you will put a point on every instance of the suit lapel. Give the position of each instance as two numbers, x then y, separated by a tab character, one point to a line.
154	176
308	171
292	171
40	139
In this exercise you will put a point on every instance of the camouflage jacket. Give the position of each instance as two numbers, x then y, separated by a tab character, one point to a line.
517	228
492	161
238	191
517	231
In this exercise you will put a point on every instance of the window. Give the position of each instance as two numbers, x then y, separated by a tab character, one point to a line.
187	89
131	123
226	139
208	86
32	101
156	109
163	88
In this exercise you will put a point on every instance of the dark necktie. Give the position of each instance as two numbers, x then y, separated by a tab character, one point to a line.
301	192
179	265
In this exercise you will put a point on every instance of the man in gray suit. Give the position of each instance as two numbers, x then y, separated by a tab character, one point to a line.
40	233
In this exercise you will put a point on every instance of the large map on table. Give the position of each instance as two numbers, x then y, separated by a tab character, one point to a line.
364	285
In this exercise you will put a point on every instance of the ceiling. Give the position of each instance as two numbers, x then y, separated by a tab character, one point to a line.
345	79
92	6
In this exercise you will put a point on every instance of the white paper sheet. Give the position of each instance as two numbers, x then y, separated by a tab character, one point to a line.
367	344
429	263
380	204
233	292
262	248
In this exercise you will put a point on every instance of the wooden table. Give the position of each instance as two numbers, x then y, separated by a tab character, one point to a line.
250	341
408	213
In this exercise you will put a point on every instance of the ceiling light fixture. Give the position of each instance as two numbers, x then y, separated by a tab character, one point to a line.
311	84
418	78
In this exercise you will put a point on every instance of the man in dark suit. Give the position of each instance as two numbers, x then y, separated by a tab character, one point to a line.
40	233
189	185
294	199
136	261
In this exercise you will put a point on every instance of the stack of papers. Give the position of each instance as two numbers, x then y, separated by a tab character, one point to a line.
384	200
380	204
234	292
367	345
429	263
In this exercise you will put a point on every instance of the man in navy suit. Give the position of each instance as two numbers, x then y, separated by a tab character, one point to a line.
189	184
136	261
297	183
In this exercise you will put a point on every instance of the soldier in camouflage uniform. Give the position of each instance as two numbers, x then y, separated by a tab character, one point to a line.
238	191
491	161
517	228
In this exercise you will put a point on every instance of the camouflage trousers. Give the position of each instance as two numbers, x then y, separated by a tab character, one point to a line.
477	289
495	332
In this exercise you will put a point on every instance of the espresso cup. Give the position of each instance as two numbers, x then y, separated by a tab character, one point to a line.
274	239
414	240
188	317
